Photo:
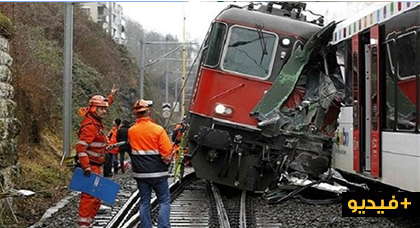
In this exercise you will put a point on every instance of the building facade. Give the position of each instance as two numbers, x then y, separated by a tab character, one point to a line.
109	15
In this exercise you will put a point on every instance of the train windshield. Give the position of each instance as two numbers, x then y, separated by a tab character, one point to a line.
250	52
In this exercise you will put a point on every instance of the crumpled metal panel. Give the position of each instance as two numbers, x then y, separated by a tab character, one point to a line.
286	81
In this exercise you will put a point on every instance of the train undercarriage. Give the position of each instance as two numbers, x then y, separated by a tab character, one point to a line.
245	159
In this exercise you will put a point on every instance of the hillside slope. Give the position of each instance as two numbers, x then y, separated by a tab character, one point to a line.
37	49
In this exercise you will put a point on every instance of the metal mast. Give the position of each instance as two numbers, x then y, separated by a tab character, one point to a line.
67	82
184	55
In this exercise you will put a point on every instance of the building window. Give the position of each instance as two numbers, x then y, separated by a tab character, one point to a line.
100	11
86	10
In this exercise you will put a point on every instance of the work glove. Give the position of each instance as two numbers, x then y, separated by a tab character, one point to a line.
87	172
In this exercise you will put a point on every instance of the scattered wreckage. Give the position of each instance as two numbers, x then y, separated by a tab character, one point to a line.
303	105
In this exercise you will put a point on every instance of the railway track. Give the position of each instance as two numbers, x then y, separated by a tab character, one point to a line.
125	196
199	204
195	205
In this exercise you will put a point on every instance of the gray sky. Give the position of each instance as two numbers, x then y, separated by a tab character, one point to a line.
167	17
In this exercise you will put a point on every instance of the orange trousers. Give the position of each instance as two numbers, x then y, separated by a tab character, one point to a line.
89	205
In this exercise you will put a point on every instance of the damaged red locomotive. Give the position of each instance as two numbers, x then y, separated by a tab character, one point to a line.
266	96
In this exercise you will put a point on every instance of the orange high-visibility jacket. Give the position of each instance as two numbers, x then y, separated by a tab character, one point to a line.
149	146
92	142
113	139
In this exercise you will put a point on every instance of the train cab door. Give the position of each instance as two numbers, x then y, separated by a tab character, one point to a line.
375	132
366	122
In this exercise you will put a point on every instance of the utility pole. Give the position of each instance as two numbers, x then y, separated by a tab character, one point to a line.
67	82
142	46
184	56
166	81
166	72
176	90
142	66
163	57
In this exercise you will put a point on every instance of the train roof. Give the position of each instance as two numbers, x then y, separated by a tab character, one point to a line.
376	14
271	22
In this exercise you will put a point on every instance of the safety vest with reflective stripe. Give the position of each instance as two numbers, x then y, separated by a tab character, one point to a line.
92	142
149	142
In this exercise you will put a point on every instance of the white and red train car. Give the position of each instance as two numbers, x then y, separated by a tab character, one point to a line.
379	125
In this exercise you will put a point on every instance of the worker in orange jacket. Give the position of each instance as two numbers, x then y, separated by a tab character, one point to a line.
150	158
91	151
176	138
177	133
111	156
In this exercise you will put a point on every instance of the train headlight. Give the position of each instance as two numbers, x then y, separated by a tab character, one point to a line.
220	109
228	111
285	42
224	110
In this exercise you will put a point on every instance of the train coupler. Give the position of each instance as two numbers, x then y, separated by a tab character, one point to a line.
265	159
239	167
235	149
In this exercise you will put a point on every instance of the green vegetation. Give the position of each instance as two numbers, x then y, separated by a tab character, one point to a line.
36	46
6	27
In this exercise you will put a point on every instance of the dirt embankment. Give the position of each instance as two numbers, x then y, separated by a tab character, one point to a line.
36	46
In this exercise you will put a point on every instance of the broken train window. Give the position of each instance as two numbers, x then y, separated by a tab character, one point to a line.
389	84
406	81
344	61
250	51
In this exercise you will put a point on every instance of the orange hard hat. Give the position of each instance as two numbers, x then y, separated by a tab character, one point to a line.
140	106
98	101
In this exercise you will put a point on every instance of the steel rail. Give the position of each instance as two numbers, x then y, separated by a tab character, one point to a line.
223	218
175	189
242	212
122	214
